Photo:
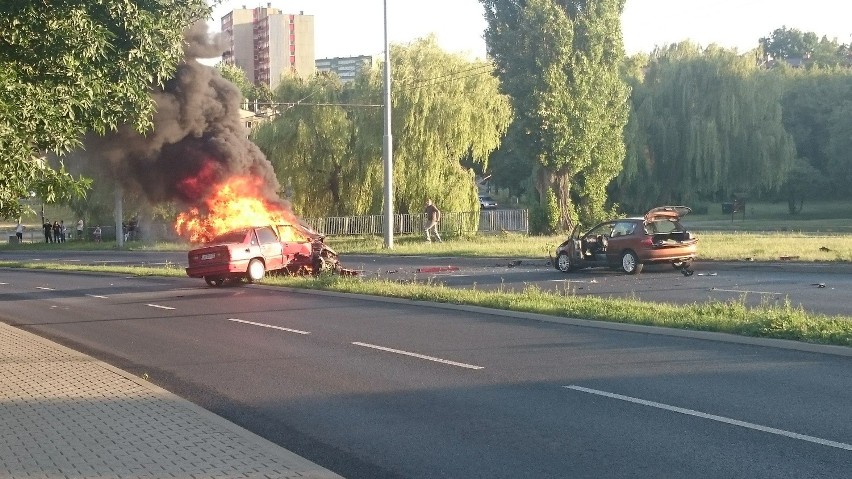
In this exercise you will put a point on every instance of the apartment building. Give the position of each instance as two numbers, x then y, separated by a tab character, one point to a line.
346	68
267	43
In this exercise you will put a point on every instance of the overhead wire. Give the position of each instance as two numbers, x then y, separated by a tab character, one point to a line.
478	70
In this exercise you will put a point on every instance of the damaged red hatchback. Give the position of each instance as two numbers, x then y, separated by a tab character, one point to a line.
630	243
249	253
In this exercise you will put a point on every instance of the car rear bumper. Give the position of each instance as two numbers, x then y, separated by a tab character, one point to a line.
667	256
220	269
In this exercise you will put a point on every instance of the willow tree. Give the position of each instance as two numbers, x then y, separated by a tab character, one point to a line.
816	106
708	124
559	61
310	146
446	108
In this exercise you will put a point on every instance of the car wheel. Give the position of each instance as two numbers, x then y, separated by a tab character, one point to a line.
630	263
256	271
214	280
563	263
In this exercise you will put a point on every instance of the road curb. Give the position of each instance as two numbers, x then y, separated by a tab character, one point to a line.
589	323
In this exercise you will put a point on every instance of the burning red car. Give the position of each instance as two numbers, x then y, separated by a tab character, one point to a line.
251	252
235	248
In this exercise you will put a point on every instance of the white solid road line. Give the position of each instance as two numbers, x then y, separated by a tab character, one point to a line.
159	306
96	296
268	326
44	288
421	356
713	417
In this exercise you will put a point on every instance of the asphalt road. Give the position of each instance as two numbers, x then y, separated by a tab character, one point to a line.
378	389
824	288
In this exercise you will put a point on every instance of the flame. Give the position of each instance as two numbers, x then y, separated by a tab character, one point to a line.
235	204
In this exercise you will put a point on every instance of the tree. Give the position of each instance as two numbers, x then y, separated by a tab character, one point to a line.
816	106
311	148
789	43
792	44
238	77
327	141
252	93
70	67
704	124
559	63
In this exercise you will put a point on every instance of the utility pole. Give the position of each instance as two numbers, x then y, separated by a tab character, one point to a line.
388	143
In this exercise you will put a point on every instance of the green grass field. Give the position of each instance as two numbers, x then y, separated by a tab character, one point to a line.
822	232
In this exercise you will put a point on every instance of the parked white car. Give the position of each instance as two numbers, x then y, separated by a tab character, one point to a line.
487	202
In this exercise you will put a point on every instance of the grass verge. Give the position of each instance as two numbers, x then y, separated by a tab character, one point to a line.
712	246
734	317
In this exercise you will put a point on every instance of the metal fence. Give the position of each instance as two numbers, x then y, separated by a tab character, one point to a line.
484	221
36	235
451	224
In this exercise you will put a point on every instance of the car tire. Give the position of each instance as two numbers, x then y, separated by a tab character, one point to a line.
563	263
630	263
256	271
214	280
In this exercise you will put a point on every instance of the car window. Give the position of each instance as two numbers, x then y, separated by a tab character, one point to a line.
662	226
603	229
623	228
236	236
289	234
266	235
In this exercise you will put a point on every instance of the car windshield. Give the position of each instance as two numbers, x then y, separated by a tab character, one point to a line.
235	236
486	198
663	226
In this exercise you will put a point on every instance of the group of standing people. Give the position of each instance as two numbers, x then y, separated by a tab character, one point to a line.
55	232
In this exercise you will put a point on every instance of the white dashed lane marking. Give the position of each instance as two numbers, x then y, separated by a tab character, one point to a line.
159	306
713	417
262	325
420	356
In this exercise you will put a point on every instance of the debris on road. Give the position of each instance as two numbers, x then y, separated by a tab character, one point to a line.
437	269
818	285
514	263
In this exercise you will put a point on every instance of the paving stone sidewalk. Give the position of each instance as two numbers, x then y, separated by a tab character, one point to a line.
67	415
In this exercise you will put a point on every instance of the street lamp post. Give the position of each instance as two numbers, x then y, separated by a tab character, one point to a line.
388	143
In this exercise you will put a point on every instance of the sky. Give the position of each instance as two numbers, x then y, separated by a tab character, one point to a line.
356	27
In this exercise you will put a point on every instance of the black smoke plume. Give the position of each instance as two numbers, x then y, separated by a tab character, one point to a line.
198	138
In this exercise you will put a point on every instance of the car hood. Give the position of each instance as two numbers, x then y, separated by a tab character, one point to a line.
673	212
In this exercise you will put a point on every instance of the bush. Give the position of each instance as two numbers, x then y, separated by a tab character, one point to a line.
544	219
